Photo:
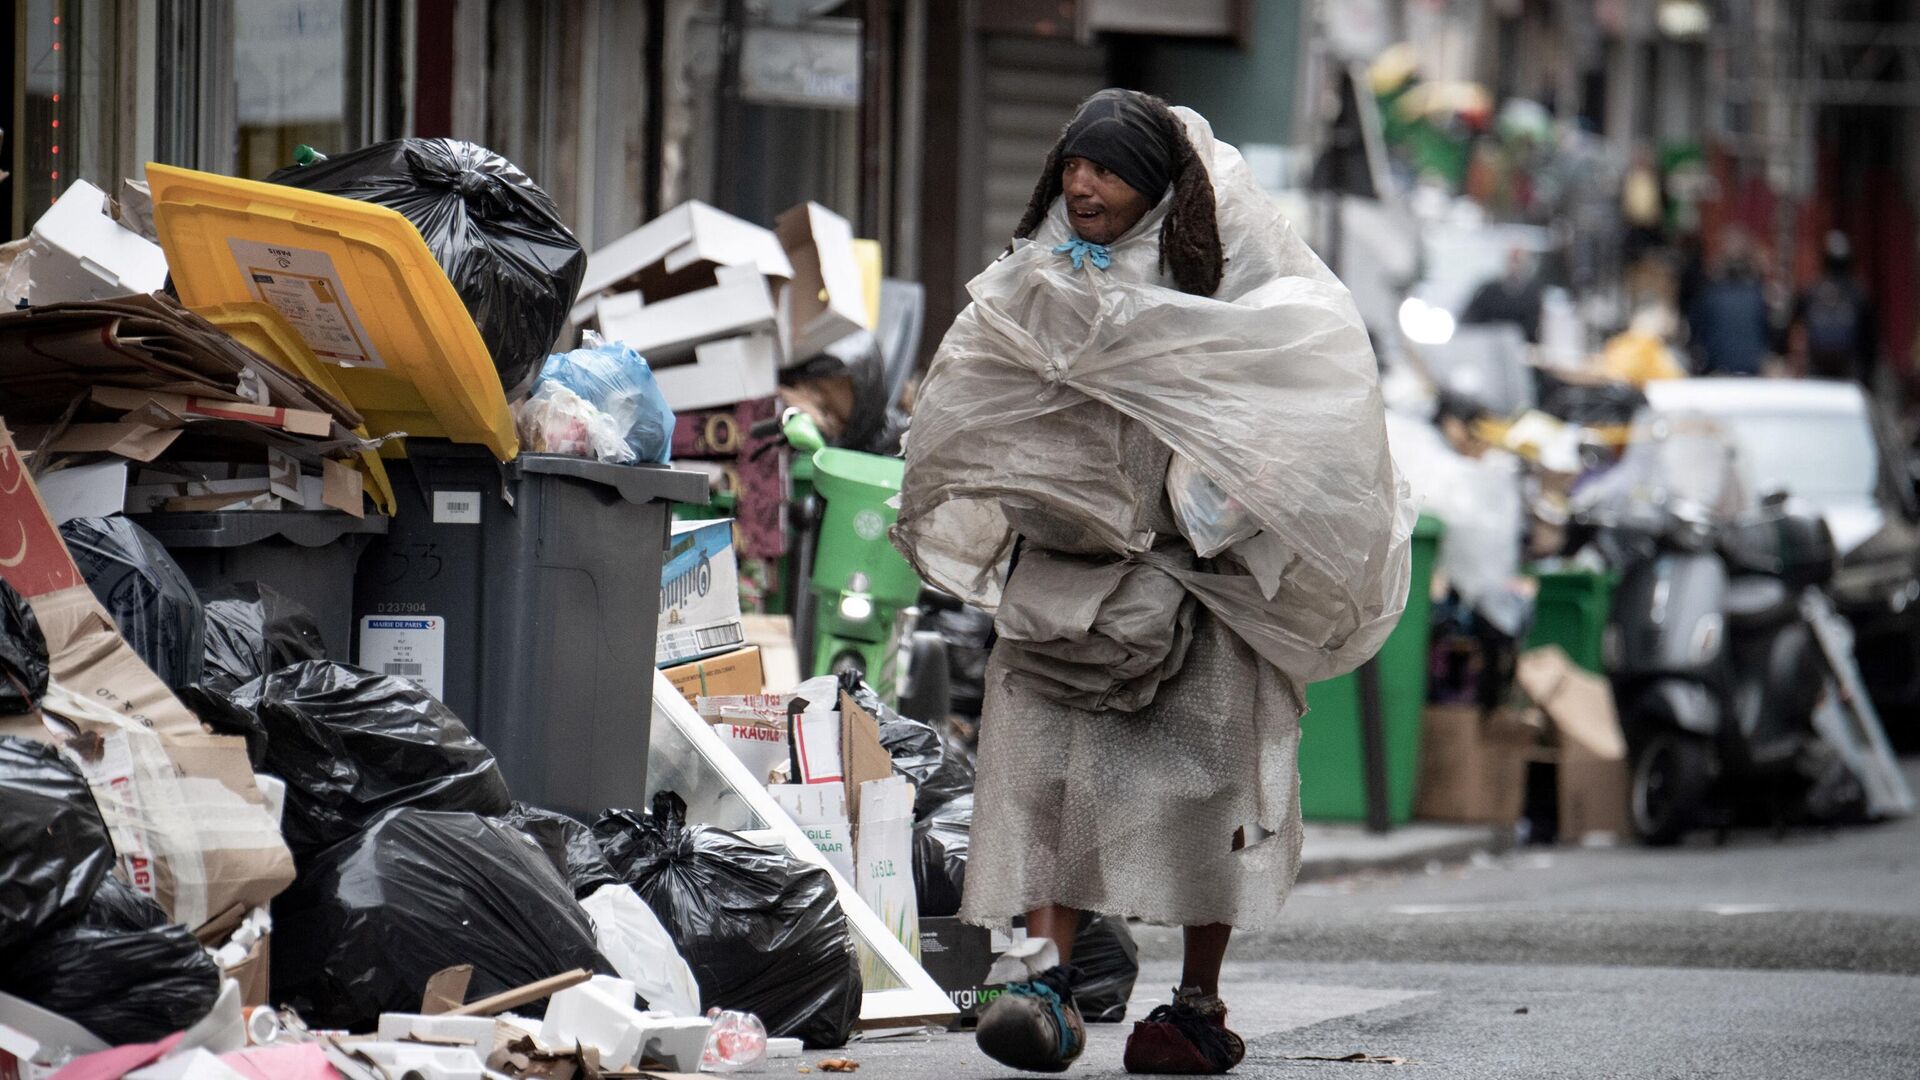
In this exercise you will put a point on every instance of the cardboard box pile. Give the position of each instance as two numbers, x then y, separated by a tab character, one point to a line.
1474	765
699	594
720	306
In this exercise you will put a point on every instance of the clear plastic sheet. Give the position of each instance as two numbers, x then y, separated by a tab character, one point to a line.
1269	389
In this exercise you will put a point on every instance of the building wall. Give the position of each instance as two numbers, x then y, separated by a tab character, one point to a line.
1247	92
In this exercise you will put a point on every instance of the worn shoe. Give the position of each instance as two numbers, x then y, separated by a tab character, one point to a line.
1034	1026
1186	1038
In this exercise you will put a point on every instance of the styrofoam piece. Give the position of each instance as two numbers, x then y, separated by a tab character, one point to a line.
77	252
427	1062
676	1042
593	1014
478	1030
785	1048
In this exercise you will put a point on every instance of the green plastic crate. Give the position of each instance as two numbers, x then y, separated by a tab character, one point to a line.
1332	765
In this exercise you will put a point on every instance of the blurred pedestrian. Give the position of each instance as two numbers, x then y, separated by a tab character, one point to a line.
1731	331
1640	205
1514	297
1835	319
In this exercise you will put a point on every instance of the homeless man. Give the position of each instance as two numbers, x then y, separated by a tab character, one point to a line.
1154	446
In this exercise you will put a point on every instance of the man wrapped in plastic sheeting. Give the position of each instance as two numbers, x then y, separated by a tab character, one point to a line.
1155	436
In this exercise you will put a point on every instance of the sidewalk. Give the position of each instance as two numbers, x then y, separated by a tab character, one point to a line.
1333	849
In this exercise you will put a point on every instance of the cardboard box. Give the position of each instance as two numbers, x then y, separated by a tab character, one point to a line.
668	330
679	251
737	672
1473	767
826	300
779	659
1590	751
699	593
189	824
821	812
723	372
883	856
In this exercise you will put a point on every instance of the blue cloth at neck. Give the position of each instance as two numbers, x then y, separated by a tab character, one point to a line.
1082	250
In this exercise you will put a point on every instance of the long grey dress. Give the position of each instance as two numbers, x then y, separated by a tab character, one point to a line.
1135	814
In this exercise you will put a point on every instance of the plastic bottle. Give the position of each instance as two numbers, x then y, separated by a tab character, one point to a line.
739	1040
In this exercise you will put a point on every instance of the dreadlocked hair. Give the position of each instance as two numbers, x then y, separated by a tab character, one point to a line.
1189	237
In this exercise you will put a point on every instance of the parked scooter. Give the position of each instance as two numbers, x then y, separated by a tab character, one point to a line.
861	611
1715	673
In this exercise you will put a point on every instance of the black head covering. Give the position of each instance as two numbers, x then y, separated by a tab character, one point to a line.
1114	129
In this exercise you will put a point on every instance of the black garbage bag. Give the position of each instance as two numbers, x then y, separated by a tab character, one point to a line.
23	655
145	591
352	744
496	234
253	629
217	710
763	931
567	844
122	972
54	848
1108	962
940	845
371	918
939	775
968	633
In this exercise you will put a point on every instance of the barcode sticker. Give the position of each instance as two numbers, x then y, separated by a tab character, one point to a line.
718	637
414	649
456	508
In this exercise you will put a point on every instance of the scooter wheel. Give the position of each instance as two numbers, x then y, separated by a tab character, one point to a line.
1672	777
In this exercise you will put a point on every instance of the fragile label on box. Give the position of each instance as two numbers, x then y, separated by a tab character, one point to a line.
412	649
303	286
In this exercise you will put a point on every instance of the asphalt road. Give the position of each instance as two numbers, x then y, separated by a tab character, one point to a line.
1767	957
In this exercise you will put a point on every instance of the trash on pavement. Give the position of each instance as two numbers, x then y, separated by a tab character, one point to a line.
121	971
152	603
568	845
497	235
763	931
1108	963
738	1041
641	950
352	744
188	821
601	1014
54	850
375	916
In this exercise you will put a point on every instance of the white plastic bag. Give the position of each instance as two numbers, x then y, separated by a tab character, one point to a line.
632	939
555	420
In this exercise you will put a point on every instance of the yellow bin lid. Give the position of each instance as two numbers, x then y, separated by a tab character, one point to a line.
355	281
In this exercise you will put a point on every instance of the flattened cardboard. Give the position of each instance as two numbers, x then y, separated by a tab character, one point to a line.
1471	770
131	440
1594	781
96	490
343	488
298	421
862	756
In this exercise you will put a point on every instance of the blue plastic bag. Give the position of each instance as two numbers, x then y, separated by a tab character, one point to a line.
616	380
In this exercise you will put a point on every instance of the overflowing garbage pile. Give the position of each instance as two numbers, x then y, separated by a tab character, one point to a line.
414	912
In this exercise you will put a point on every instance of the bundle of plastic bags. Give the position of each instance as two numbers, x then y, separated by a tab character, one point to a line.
599	401
1267	389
